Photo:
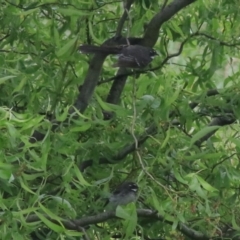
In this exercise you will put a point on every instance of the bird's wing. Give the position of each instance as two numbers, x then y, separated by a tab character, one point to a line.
127	61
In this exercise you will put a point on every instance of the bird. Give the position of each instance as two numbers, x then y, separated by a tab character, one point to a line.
123	195
129	56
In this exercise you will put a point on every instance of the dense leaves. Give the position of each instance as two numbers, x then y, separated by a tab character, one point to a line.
73	127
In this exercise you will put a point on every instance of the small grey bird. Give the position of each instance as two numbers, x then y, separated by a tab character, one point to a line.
123	195
129	56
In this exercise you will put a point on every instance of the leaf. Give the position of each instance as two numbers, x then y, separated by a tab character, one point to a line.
56	37
105	106
67	47
121	213
194	156
22	83
79	176
73	12
203	133
61	116
236	142
130	215
51	225
63	202
166	138
32	123
180	216
175	224
98	41
46	148
5	174
205	185
234	224
26	12
50	214
104	180
24	186
200	192
216	59
179	177
74	233
3	79
194	185
17	236
177	28
84	127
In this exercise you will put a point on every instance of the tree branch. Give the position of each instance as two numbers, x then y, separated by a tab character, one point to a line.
152	130
95	67
149	39
218	121
102	217
152	31
128	148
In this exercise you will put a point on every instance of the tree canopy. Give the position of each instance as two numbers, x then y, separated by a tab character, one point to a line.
73	127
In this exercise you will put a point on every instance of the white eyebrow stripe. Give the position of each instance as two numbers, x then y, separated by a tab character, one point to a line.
134	189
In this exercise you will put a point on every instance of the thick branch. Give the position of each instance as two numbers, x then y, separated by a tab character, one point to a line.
117	87
149	39
90	82
218	121
142	213
152	31
211	92
95	67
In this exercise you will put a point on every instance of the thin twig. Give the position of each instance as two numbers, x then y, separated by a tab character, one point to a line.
136	141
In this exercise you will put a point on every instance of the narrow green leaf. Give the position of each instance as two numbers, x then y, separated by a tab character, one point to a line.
234	224
131	222
73	12
49	213
26	12
200	192
74	233
3	79
216	59
121	213
195	186
22	83
24	186
179	177
93	34
51	225
46	148
175	224
17	236
166	138
235	141
206	185
130	215
79	176
61	116
32	123
67	47
203	133
84	126
64	202
5	174
104	105
56	36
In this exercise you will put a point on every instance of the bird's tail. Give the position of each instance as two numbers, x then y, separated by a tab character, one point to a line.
100	49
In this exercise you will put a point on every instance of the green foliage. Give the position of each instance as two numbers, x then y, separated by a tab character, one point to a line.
187	168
